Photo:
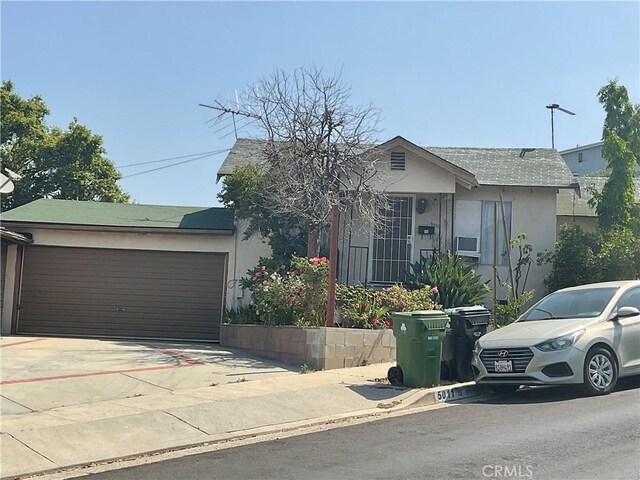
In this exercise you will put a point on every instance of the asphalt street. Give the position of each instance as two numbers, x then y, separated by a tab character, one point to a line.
538	433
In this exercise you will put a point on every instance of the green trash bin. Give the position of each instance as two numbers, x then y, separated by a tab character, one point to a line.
419	337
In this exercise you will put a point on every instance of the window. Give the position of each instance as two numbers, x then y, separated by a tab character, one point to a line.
580	157
397	160
630	299
487	235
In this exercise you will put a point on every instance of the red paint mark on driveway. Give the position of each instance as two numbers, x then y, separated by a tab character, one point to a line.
93	374
23	341
181	357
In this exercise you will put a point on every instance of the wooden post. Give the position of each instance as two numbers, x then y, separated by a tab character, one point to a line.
506	239
333	266
495	264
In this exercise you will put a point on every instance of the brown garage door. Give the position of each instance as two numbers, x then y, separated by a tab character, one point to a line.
121	293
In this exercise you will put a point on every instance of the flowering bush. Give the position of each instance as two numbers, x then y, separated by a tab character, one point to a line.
290	294
399	299
361	307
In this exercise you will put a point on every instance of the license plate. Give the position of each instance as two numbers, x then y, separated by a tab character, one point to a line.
502	366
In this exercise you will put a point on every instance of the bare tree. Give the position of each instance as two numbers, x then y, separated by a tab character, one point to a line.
319	149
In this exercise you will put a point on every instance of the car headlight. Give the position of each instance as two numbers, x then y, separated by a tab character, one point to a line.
560	343
477	348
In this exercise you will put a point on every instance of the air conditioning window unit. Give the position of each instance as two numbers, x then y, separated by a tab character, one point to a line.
468	246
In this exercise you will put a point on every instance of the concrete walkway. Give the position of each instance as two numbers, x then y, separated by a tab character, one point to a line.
52	423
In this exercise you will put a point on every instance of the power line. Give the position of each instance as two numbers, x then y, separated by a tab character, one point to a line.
173	158
174	164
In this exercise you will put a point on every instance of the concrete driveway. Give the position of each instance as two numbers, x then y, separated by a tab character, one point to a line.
39	374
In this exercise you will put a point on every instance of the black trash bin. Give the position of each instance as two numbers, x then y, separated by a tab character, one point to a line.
467	325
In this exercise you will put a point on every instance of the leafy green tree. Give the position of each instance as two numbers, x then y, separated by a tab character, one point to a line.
621	150
244	192
53	163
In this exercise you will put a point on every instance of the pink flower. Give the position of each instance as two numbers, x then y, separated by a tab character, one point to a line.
387	323
282	267
435	290
323	259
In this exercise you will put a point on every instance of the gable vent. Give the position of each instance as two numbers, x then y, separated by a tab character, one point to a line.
397	160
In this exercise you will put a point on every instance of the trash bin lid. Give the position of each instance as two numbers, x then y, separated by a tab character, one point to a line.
427	313
466	311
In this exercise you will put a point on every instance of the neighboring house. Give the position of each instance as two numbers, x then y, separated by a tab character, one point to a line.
96	269
445	199
573	207
586	159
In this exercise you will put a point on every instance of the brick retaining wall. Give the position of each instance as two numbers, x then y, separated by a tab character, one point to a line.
320	348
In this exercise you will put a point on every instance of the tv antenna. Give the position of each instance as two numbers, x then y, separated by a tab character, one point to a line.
225	111
552	107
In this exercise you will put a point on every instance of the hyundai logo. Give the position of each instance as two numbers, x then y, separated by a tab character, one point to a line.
503	353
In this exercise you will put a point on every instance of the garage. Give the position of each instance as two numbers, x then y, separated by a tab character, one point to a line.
120	270
121	293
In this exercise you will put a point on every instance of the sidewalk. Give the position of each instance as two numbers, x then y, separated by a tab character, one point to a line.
119	428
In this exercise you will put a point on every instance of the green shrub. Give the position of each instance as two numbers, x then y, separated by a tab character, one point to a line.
309	290
398	299
456	284
289	295
242	315
361	307
573	262
508	311
581	257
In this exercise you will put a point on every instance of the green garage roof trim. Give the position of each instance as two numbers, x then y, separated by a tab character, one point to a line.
125	215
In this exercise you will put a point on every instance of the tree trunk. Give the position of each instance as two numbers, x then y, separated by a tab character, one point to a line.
313	241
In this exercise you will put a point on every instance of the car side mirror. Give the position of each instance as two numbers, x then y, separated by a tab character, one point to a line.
624	312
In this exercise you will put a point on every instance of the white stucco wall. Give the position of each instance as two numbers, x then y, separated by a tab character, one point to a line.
534	213
419	175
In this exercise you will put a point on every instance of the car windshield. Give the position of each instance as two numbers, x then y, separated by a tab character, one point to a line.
583	303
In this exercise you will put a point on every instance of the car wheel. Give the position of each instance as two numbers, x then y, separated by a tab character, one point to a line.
395	376
600	372
503	389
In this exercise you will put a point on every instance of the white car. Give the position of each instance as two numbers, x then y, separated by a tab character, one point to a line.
587	335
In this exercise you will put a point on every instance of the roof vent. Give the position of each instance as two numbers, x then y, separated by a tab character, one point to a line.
524	151
397	160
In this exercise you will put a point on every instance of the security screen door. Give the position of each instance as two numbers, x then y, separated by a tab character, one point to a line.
392	242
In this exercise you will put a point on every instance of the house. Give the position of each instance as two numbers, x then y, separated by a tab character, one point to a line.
573	205
446	199
586	159
96	269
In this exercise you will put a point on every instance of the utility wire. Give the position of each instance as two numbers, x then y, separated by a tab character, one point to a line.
174	164
213	152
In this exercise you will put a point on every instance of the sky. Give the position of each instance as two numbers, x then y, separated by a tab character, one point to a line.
476	74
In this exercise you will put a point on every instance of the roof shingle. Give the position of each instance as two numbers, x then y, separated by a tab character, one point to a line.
530	167
71	212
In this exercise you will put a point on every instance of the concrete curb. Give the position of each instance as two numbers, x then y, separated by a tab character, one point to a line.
415	399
